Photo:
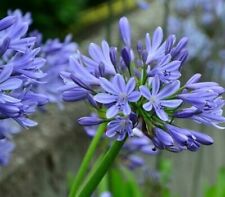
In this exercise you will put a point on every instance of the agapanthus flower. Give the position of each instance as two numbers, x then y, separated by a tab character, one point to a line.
128	87
57	55
20	70
119	94
157	98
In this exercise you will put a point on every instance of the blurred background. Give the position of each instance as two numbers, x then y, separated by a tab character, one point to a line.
187	174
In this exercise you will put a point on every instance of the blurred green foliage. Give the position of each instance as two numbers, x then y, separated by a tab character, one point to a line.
51	17
218	189
123	183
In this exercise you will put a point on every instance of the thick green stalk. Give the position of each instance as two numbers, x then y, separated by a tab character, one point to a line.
99	170
86	160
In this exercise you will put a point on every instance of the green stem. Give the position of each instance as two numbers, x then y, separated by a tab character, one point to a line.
87	159
99	170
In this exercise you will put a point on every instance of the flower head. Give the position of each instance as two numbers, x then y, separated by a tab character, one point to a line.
128	87
157	98
119	94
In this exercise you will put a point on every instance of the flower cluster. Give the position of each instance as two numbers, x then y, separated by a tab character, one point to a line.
132	86
57	55
20	69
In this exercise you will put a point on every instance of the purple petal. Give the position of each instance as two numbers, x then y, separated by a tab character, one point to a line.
112	130
7	22
169	43
171	103
157	38
21	45
161	114
108	86
126	109
155	85
202	85
147	106
172	66
105	98
119	83
95	52
130	85
121	136
195	78
148	42
134	96
145	92
112	111
19	30
169	89
6	72
11	84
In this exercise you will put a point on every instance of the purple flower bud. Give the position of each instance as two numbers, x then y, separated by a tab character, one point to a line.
80	82
187	113
163	137
125	32
180	46
169	43
113	55
126	57
90	121
74	94
202	138
194	79
179	137
134	118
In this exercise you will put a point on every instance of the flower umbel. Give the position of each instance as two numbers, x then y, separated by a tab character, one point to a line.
128	87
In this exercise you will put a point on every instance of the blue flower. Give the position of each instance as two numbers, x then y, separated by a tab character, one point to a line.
166	69
99	55
119	127
119	94
157	98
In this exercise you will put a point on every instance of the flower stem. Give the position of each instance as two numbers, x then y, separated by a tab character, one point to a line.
87	159
99	170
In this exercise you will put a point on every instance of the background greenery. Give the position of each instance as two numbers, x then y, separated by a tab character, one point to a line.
51	17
